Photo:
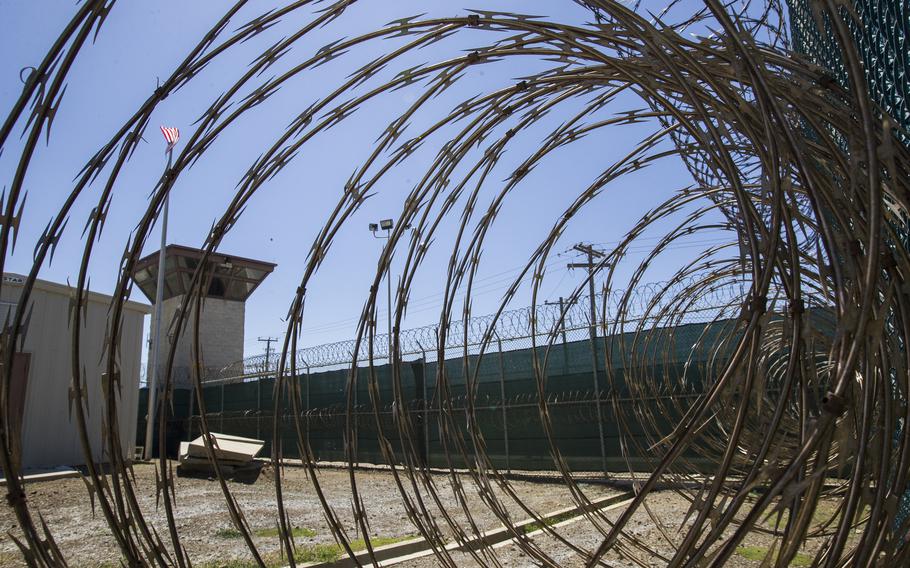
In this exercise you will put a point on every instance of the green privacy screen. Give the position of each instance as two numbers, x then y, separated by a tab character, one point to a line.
641	392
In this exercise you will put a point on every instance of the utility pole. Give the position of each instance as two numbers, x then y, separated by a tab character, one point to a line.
593	253
268	348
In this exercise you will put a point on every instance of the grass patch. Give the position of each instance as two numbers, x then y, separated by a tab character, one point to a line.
827	512
229	532
229	563
758	553
312	553
298	532
531	527
306	553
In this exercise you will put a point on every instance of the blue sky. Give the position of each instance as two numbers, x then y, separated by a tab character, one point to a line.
144	40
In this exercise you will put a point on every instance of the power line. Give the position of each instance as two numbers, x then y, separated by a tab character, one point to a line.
489	284
268	345
480	287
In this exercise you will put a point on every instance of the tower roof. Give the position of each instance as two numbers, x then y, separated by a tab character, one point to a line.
231	277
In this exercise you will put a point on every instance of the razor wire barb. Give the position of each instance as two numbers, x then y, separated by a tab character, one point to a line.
808	178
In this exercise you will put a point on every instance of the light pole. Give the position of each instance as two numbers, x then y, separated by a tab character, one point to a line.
386	225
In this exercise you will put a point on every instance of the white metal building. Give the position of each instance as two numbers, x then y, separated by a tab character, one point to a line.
42	373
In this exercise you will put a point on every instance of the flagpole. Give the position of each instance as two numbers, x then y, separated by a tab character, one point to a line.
159	299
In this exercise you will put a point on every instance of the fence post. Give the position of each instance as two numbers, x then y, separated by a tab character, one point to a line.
593	342
221	427
189	429
502	400
307	402
426	409
258	407
440	368
356	440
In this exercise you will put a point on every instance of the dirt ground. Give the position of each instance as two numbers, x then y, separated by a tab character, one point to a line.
205	527
668	506
206	531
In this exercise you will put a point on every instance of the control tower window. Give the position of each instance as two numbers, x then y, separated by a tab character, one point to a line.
217	288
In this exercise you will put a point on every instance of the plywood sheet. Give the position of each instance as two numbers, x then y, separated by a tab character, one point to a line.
227	447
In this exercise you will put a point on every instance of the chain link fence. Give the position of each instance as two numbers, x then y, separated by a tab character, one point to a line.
563	321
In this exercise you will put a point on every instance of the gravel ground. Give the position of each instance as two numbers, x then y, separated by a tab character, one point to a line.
668	506
203	520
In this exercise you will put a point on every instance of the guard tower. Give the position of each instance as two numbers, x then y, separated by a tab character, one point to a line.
232	280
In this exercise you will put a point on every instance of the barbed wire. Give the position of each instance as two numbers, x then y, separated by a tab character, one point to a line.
796	166
508	326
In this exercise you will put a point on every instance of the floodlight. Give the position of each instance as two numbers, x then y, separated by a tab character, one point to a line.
386	224
374	227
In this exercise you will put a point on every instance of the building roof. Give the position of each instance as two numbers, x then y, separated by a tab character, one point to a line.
231	277
18	281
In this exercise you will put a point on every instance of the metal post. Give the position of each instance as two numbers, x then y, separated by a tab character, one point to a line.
388	287
189	434
152	406
437	396
562	324
307	402
259	408
222	408
426	412
502	400
354	442
265	369
387	225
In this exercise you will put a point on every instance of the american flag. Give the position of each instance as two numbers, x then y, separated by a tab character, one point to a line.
171	134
